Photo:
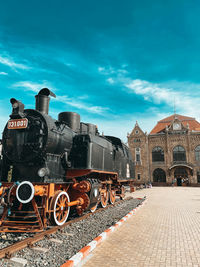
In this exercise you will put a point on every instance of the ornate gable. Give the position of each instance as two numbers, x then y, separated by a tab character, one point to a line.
177	126
136	132
137	135
176	122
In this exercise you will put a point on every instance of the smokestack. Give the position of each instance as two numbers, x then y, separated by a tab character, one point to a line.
42	100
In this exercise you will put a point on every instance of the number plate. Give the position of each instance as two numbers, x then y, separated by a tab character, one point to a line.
17	124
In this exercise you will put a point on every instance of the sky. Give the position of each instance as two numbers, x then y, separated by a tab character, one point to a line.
113	62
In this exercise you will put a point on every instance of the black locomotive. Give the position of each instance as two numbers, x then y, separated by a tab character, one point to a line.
51	165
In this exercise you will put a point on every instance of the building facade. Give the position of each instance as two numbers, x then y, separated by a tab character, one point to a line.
170	154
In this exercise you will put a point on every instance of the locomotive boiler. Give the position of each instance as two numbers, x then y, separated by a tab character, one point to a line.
51	165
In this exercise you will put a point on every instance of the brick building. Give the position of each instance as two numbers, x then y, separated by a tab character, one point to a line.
169	154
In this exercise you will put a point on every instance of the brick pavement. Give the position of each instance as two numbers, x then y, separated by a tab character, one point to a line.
164	232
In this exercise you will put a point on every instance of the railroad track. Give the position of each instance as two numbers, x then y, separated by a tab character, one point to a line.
30	241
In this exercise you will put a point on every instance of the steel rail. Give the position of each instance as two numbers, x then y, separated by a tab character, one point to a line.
30	241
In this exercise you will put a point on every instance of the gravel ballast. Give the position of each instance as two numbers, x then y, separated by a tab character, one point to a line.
73	237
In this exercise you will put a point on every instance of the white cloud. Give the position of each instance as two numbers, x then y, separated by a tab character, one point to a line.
122	71
30	86
107	70
69	64
80	105
185	101
11	63
150	91
114	75
77	103
101	69
110	80
5	110
123	125
3	119
3	73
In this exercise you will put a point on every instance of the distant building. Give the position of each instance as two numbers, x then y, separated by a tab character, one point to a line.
169	154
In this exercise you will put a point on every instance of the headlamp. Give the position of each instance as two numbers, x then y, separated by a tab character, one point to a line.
43	171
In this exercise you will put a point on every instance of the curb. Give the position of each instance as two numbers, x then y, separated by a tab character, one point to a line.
84	252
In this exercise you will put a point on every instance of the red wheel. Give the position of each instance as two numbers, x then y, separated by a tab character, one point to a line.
104	198
112	196
60	208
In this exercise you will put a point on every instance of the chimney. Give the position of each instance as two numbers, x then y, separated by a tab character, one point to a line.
42	100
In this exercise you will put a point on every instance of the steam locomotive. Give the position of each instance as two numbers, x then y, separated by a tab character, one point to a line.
51	165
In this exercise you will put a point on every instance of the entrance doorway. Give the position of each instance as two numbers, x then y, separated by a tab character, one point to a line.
180	174
179	181
159	176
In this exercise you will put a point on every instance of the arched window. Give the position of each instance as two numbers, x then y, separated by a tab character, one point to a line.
179	154
157	154
197	153
159	175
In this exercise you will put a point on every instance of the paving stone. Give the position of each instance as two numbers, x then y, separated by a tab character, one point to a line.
164	232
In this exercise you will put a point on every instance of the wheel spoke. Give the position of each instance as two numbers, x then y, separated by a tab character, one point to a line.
104	198
59	216
112	196
60	207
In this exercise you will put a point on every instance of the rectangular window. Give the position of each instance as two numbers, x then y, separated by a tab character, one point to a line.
137	157
137	154
198	177
138	176
197	155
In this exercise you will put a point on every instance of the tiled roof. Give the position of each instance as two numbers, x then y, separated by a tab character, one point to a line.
179	117
186	121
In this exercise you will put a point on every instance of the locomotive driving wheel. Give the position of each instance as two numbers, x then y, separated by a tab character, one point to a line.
122	195
104	197
59	207
94	207
112	196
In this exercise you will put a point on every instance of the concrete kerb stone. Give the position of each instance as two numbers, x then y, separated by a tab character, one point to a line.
17	262
85	251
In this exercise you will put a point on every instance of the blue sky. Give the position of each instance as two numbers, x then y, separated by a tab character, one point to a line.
113	62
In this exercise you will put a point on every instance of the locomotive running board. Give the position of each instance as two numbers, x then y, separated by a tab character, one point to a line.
88	172
10	223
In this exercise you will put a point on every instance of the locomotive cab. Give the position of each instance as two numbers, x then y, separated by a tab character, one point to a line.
123	163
